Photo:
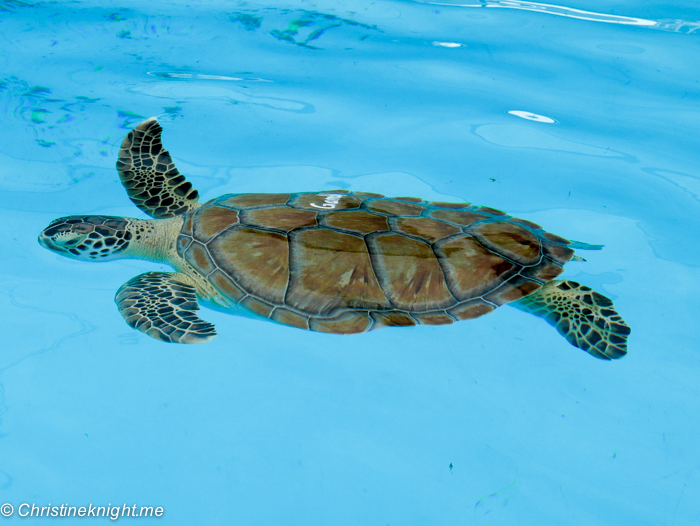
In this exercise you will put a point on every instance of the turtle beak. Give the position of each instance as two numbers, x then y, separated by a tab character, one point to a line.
61	245
46	241
59	240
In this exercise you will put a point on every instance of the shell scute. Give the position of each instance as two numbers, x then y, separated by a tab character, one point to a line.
409	272
261	308
459	217
358	221
368	194
547	270
346	323
280	218
396	208
443	204
433	318
527	223
558	253
256	260
288	317
227	286
331	270
326	201
409	199
391	319
509	239
425	227
211	220
187	224
489	210
183	242
514	289
242	201
470	268
470	310
198	255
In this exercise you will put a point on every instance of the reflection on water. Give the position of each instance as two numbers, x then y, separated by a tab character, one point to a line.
531	116
304	28
680	26
200	76
447	44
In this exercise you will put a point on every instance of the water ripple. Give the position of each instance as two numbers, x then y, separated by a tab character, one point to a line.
675	25
84	327
305	27
193	91
199	76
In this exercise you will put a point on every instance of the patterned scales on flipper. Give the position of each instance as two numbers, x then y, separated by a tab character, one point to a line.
149	175
345	262
162	306
584	317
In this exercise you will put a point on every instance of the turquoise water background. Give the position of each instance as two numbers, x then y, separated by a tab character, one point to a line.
495	421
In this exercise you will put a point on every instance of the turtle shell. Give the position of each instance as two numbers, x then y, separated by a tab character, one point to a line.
346	262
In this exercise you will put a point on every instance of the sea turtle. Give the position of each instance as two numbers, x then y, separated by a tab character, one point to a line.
336	261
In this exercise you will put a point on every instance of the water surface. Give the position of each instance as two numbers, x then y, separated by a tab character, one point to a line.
581	117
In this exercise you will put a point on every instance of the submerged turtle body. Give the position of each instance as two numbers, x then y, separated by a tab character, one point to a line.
339	262
347	262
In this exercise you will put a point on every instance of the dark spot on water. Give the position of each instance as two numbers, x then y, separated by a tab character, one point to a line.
116	17
249	22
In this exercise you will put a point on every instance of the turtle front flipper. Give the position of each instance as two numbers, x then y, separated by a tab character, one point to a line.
149	174
587	319
163	306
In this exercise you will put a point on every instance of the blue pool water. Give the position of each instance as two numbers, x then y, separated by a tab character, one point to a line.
581	117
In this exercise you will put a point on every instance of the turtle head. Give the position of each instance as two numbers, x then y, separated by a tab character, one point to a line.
88	238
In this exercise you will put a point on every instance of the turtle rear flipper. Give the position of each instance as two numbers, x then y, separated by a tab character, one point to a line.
149	174
587	319
164	307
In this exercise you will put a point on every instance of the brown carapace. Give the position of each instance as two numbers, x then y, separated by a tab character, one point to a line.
365	261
